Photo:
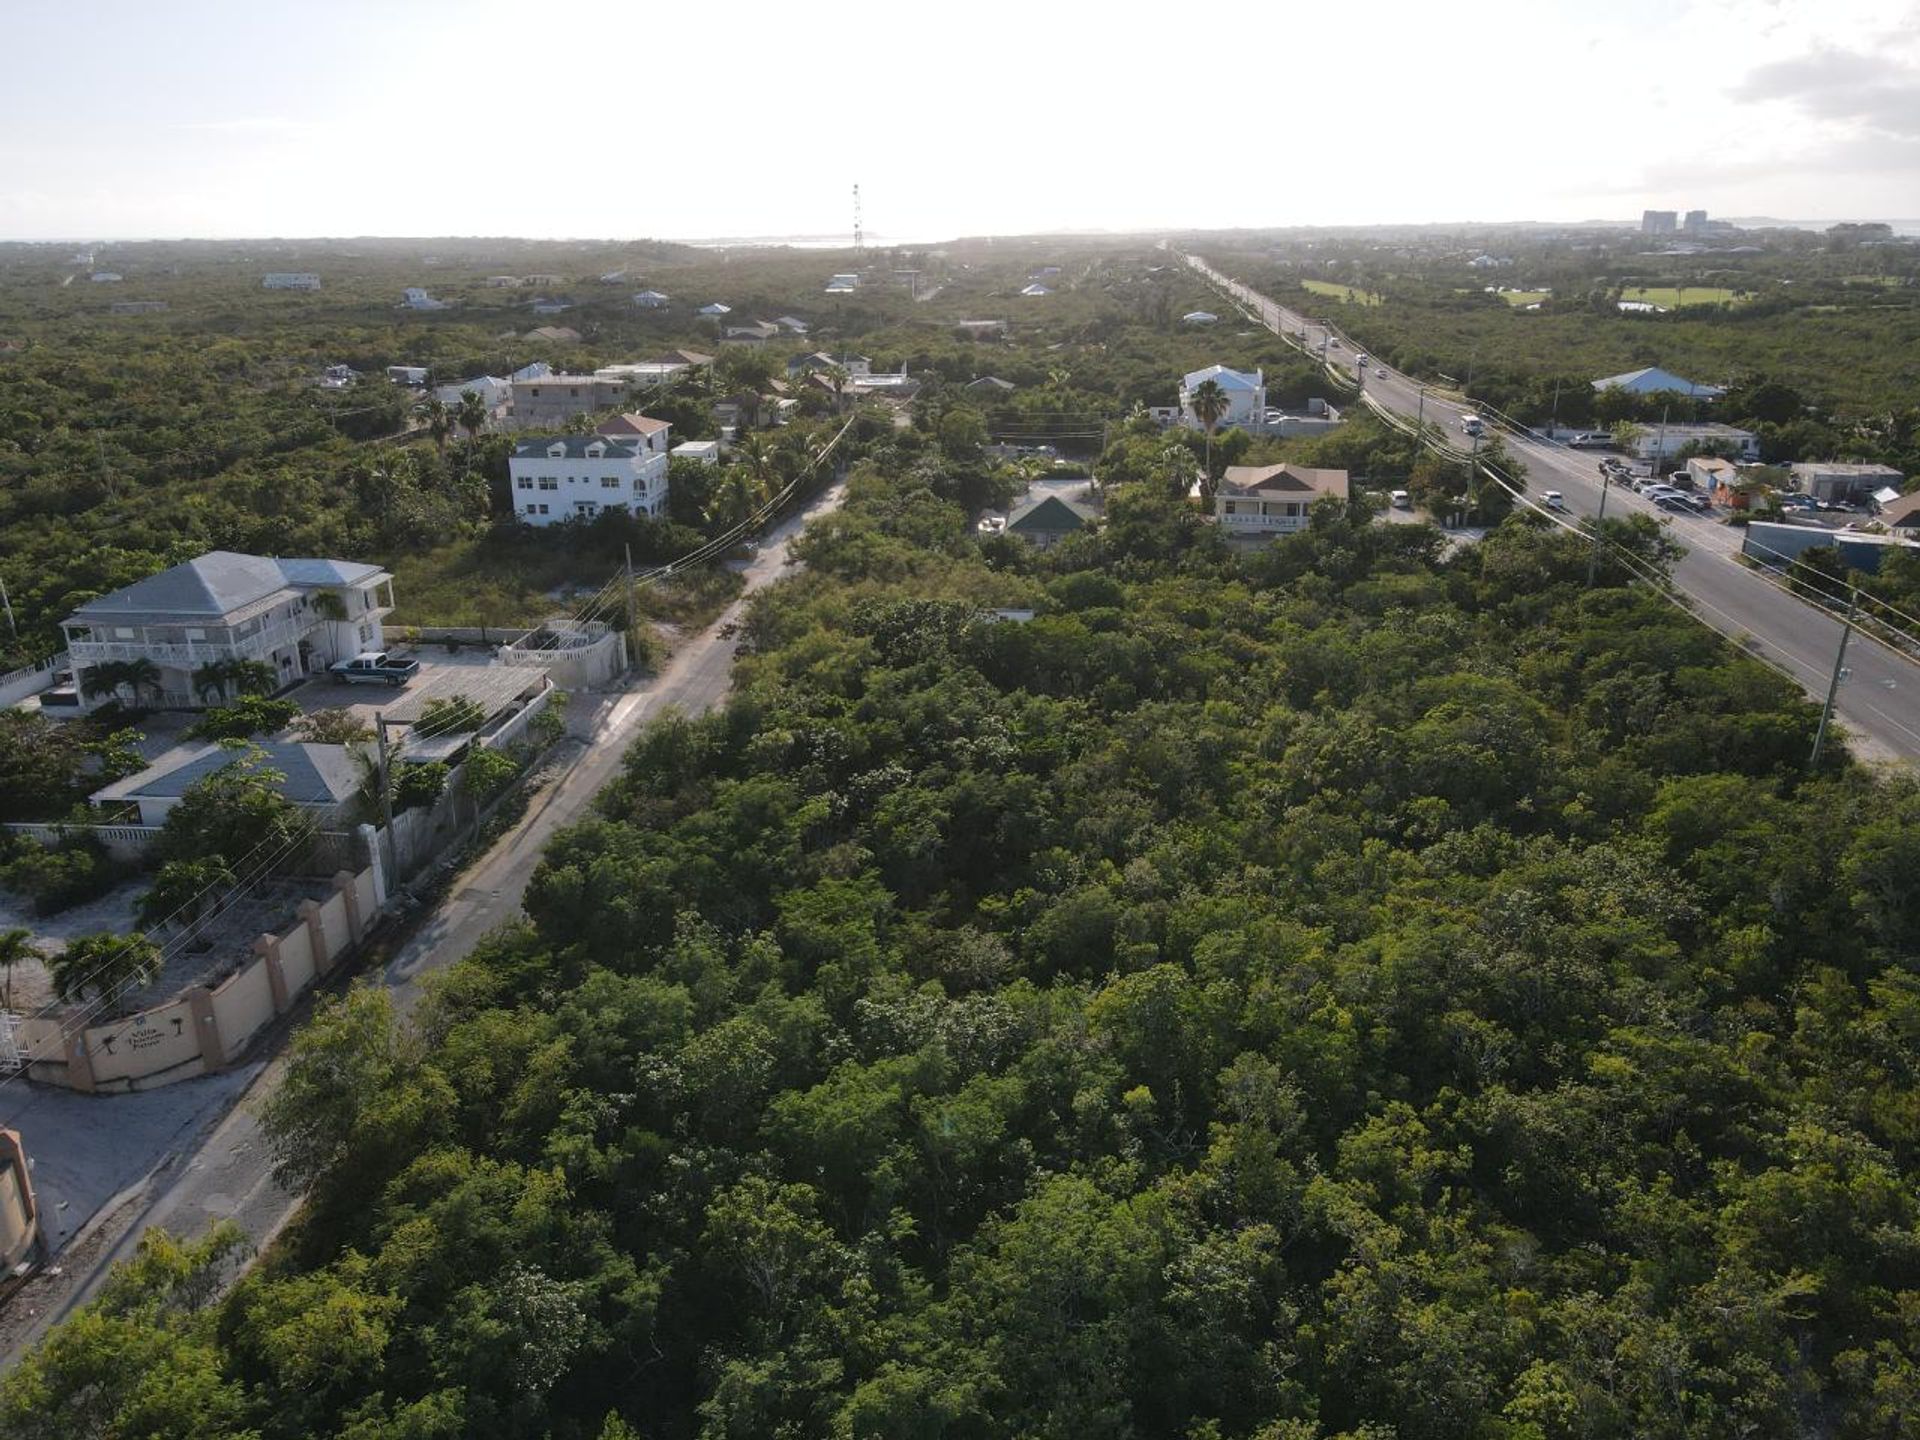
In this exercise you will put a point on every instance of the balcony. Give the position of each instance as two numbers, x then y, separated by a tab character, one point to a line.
194	653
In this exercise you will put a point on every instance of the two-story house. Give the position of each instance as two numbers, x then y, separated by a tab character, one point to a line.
297	616
621	465
1245	391
552	400
1272	499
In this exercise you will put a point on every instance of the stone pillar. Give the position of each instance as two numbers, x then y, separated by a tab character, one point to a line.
206	1025
267	947
79	1062
309	911
344	882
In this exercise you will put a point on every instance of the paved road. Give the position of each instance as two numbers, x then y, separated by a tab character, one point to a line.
228	1176
1879	699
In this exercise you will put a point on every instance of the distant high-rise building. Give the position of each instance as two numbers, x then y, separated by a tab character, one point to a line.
1695	222
1659	222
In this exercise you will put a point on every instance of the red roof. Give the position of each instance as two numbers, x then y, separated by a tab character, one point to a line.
632	423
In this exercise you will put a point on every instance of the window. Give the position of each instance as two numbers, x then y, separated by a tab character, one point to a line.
196	634
525	482
366	634
528	509
609	482
122	632
1228	508
549	482
543	509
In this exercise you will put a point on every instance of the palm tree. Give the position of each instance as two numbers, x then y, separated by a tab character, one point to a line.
329	605
837	376
106	965
16	948
114	676
472	418
181	891
736	497
440	422
210	681
1209	405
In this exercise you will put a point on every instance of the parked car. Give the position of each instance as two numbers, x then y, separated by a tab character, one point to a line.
375	667
1401	500
1554	500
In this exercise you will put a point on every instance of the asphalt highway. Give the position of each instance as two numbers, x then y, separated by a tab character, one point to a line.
1878	704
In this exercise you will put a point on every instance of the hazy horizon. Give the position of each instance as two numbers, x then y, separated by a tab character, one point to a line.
214	120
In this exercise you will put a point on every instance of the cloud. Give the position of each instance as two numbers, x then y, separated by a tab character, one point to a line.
249	125
1879	93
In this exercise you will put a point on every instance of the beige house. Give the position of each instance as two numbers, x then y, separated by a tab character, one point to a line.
1273	499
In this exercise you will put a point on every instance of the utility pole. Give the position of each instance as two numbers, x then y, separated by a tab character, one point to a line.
1833	685
1420	425
1593	555
1553	415
1660	446
12	629
386	799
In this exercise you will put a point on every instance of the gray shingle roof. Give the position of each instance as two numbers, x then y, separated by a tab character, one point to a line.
315	774
1049	513
220	583
305	573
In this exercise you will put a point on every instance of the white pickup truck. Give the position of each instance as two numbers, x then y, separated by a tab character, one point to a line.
375	667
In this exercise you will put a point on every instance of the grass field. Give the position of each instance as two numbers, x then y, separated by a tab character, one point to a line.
1671	296
1347	293
1525	297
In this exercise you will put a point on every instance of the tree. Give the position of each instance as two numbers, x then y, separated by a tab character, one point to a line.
138	677
440	421
485	773
182	891
244	719
418	785
329	604
1209	404
16	948
472	418
237	812
333	725
104	965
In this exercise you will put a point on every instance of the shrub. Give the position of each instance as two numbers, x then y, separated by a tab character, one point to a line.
58	877
244	719
486	773
417	785
331	727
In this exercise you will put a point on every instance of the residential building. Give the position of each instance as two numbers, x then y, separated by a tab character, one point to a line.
1717	479
622	465
553	400
290	280
322	780
1045	522
415	298
496	394
414	375
614	277
551	306
1659	222
1695	223
1045	272
843	282
337	377
651	300
855	365
885	385
1246	392
1035	290
1655	381
706	452
1663	442
793	324
539	282
502	282
553	335
1845	481
753	332
1902	516
224	607
980	329
646	374
715	309
1273	499
692	359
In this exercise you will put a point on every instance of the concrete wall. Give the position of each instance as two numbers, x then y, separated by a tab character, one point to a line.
202	1031
577	669
516	724
19	1216
17	685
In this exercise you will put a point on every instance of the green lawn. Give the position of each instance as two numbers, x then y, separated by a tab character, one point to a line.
1673	296
1347	293
1525	297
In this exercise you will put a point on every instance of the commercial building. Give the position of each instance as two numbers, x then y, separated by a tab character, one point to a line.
226	607
1845	481
1777	546
622	465
1664	442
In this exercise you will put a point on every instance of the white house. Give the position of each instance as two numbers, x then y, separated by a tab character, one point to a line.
856	366
320	779
1663	442
651	300
1246	392
1654	381
290	280
414	298
752	332
622	465
1036	289
706	452
411	375
716	309
1273	499
496	394
224	607
793	323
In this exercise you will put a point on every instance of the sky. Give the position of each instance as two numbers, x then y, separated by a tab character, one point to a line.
695	120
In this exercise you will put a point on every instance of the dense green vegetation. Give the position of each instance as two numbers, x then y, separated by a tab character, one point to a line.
1339	991
1825	333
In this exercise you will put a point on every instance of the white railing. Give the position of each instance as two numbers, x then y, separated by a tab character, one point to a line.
195	653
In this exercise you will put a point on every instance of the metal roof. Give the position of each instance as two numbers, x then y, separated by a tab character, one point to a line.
314	774
221	583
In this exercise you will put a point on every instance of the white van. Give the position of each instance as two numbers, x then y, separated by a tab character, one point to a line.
1401	500
1473	424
